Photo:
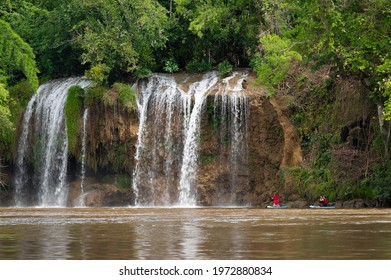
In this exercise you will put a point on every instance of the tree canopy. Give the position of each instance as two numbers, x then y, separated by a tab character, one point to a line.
16	57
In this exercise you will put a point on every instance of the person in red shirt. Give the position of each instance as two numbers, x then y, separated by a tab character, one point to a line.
323	201
276	201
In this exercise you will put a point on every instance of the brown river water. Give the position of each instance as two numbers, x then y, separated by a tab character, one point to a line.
195	233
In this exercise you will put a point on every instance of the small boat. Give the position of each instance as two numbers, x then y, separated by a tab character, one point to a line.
322	207
276	207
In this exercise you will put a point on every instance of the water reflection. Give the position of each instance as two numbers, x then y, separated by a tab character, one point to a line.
200	233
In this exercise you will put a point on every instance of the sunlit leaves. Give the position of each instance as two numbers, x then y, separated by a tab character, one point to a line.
384	71
273	66
121	34
16	55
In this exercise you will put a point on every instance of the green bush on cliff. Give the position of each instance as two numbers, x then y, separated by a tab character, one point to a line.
127	96
312	182
198	66
94	94
171	66
224	68
73	108
142	72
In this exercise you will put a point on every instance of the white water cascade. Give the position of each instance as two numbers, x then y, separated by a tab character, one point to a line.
83	155
231	111
188	179
42	159
169	135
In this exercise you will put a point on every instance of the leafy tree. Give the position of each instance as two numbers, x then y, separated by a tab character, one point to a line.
47	27
5	114
121	35
16	55
354	35
16	59
225	29
273	65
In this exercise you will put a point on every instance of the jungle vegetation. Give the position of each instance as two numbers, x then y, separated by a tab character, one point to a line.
109	41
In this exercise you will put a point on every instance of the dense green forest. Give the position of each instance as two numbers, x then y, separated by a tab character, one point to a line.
113	41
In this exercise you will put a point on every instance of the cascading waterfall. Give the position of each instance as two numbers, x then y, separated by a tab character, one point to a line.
42	159
22	176
188	179
83	155
231	111
173	111
167	152
148	150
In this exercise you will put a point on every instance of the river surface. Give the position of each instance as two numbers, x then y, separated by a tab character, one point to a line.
195	233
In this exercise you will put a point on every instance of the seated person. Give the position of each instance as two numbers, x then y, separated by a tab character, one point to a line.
323	201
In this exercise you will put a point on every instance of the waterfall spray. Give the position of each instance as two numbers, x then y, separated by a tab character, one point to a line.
43	147
83	155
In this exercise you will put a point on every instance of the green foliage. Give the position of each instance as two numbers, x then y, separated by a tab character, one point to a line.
207	159
22	93
384	86
94	95
6	126
352	35
124	181
121	34
98	73
224	29
378	184
47	27
16	59
171	66
73	110
311	183
16	55
273	66
224	68
198	66
142	72
127	96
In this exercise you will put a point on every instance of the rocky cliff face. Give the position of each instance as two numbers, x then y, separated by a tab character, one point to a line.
239	152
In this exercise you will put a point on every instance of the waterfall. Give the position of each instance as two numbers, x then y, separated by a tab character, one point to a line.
42	158
199	90
158	149
231	111
169	136
83	155
21	174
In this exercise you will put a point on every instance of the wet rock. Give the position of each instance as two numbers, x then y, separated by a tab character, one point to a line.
101	195
354	203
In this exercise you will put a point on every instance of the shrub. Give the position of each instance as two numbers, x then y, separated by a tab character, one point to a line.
142	72
94	94
198	66
224	68
171	66
22	92
127	96
98	73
